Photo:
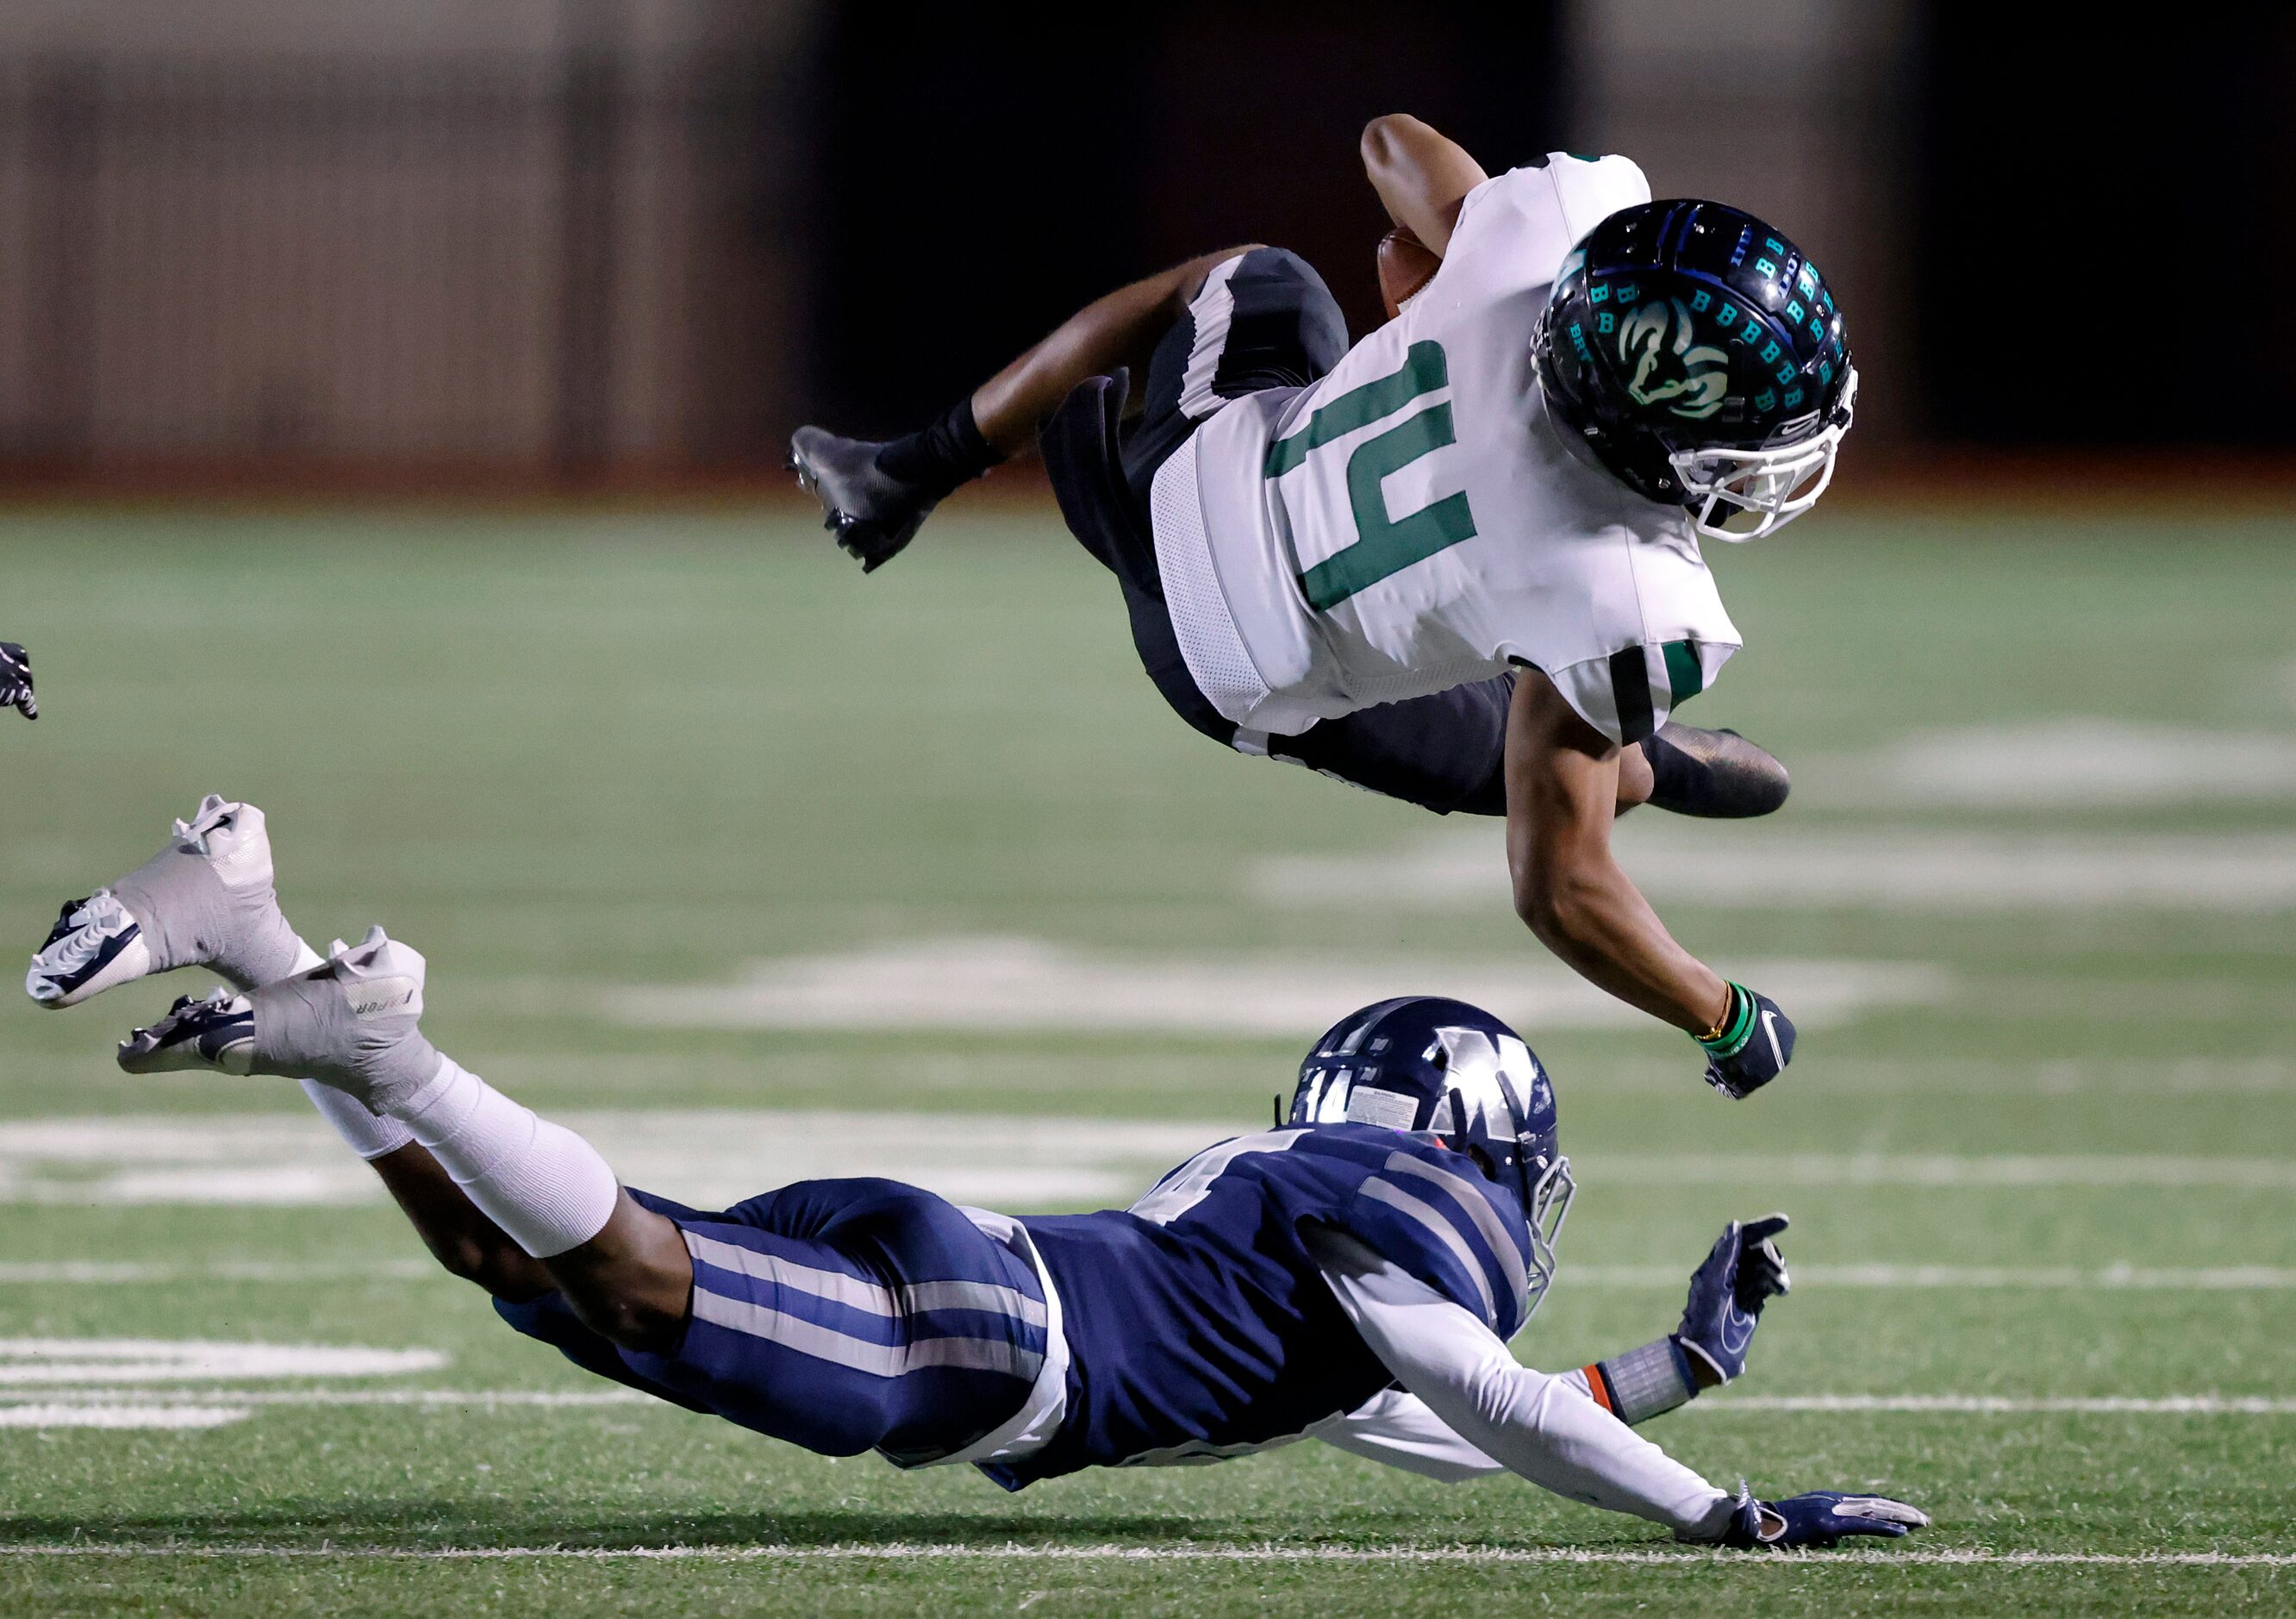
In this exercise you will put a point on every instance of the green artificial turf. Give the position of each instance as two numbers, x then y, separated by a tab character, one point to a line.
567	756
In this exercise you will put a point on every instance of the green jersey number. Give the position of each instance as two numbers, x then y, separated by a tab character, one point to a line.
1384	545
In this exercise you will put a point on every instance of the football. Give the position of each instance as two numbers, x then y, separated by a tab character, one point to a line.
1405	265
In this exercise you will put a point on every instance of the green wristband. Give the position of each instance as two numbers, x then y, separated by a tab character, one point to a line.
1737	1028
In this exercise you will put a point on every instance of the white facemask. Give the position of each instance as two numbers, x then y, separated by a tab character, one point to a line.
1772	487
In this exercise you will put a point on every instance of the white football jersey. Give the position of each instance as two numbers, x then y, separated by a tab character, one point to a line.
1414	521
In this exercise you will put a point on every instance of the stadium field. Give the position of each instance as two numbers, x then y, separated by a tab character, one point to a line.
755	869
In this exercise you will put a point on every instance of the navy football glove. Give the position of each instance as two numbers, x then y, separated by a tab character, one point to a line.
16	681
1822	1518
1754	1045
1744	1272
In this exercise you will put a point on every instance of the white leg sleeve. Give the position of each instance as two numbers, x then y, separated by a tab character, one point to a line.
540	1182
362	1131
365	1133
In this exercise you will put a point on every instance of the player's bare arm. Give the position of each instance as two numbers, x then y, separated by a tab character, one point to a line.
1563	778
1120	328
1566	784
1421	176
878	495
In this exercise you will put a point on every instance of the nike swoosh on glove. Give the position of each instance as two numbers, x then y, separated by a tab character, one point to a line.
1743	1272
1823	1518
1756	1044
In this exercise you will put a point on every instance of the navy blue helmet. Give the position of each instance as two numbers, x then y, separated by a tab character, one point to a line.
1699	356
1422	1063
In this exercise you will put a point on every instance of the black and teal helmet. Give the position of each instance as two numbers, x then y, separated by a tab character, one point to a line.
1699	356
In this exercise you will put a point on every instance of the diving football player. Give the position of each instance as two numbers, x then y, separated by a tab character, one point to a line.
1459	562
1352	1275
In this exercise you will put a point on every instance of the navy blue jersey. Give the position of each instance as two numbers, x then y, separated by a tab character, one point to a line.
1199	1325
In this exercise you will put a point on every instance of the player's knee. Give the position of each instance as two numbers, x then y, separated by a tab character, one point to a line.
637	1319
502	1269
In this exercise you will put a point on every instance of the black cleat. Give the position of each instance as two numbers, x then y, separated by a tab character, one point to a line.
1719	774
872	513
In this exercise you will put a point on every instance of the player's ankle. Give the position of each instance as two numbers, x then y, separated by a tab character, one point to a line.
942	455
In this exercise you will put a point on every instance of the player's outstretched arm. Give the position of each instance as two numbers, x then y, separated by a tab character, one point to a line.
1544	1428
1538	1426
1562	795
1741	1274
1421	176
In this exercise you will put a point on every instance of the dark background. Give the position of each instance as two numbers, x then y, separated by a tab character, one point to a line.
1070	167
589	241
2107	241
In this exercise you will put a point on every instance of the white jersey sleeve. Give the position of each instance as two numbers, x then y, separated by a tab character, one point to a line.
1539	1426
1396	1429
1414	521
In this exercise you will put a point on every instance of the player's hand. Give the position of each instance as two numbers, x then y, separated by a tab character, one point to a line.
1744	1272
1820	1518
16	681
1756	1043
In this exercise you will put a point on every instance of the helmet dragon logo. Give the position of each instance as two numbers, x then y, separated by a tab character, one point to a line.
1655	340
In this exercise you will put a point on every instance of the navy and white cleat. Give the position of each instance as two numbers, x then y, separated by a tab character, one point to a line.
352	1021
206	900
873	513
214	1031
94	945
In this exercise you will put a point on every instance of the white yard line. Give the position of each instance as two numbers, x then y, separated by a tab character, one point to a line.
2058	765
119	1417
2000	1170
122	1273
541	1399
1001	983
1982	1077
48	1363
1799	867
712	1157
1955	1405
2059	1279
926	1550
2036	1278
2010	1405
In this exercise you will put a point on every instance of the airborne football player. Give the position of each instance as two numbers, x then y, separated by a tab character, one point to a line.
1352	1275
1458	563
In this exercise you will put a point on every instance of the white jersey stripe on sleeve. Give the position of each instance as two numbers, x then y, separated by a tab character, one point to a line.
1381	1190
1478	1210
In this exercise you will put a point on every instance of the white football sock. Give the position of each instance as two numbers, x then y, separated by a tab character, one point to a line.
368	1135
544	1186
365	1133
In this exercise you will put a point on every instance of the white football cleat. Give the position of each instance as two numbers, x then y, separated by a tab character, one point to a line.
94	945
352	1023
206	900
214	1031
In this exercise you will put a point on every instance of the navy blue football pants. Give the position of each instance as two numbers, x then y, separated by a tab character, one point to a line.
843	1316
